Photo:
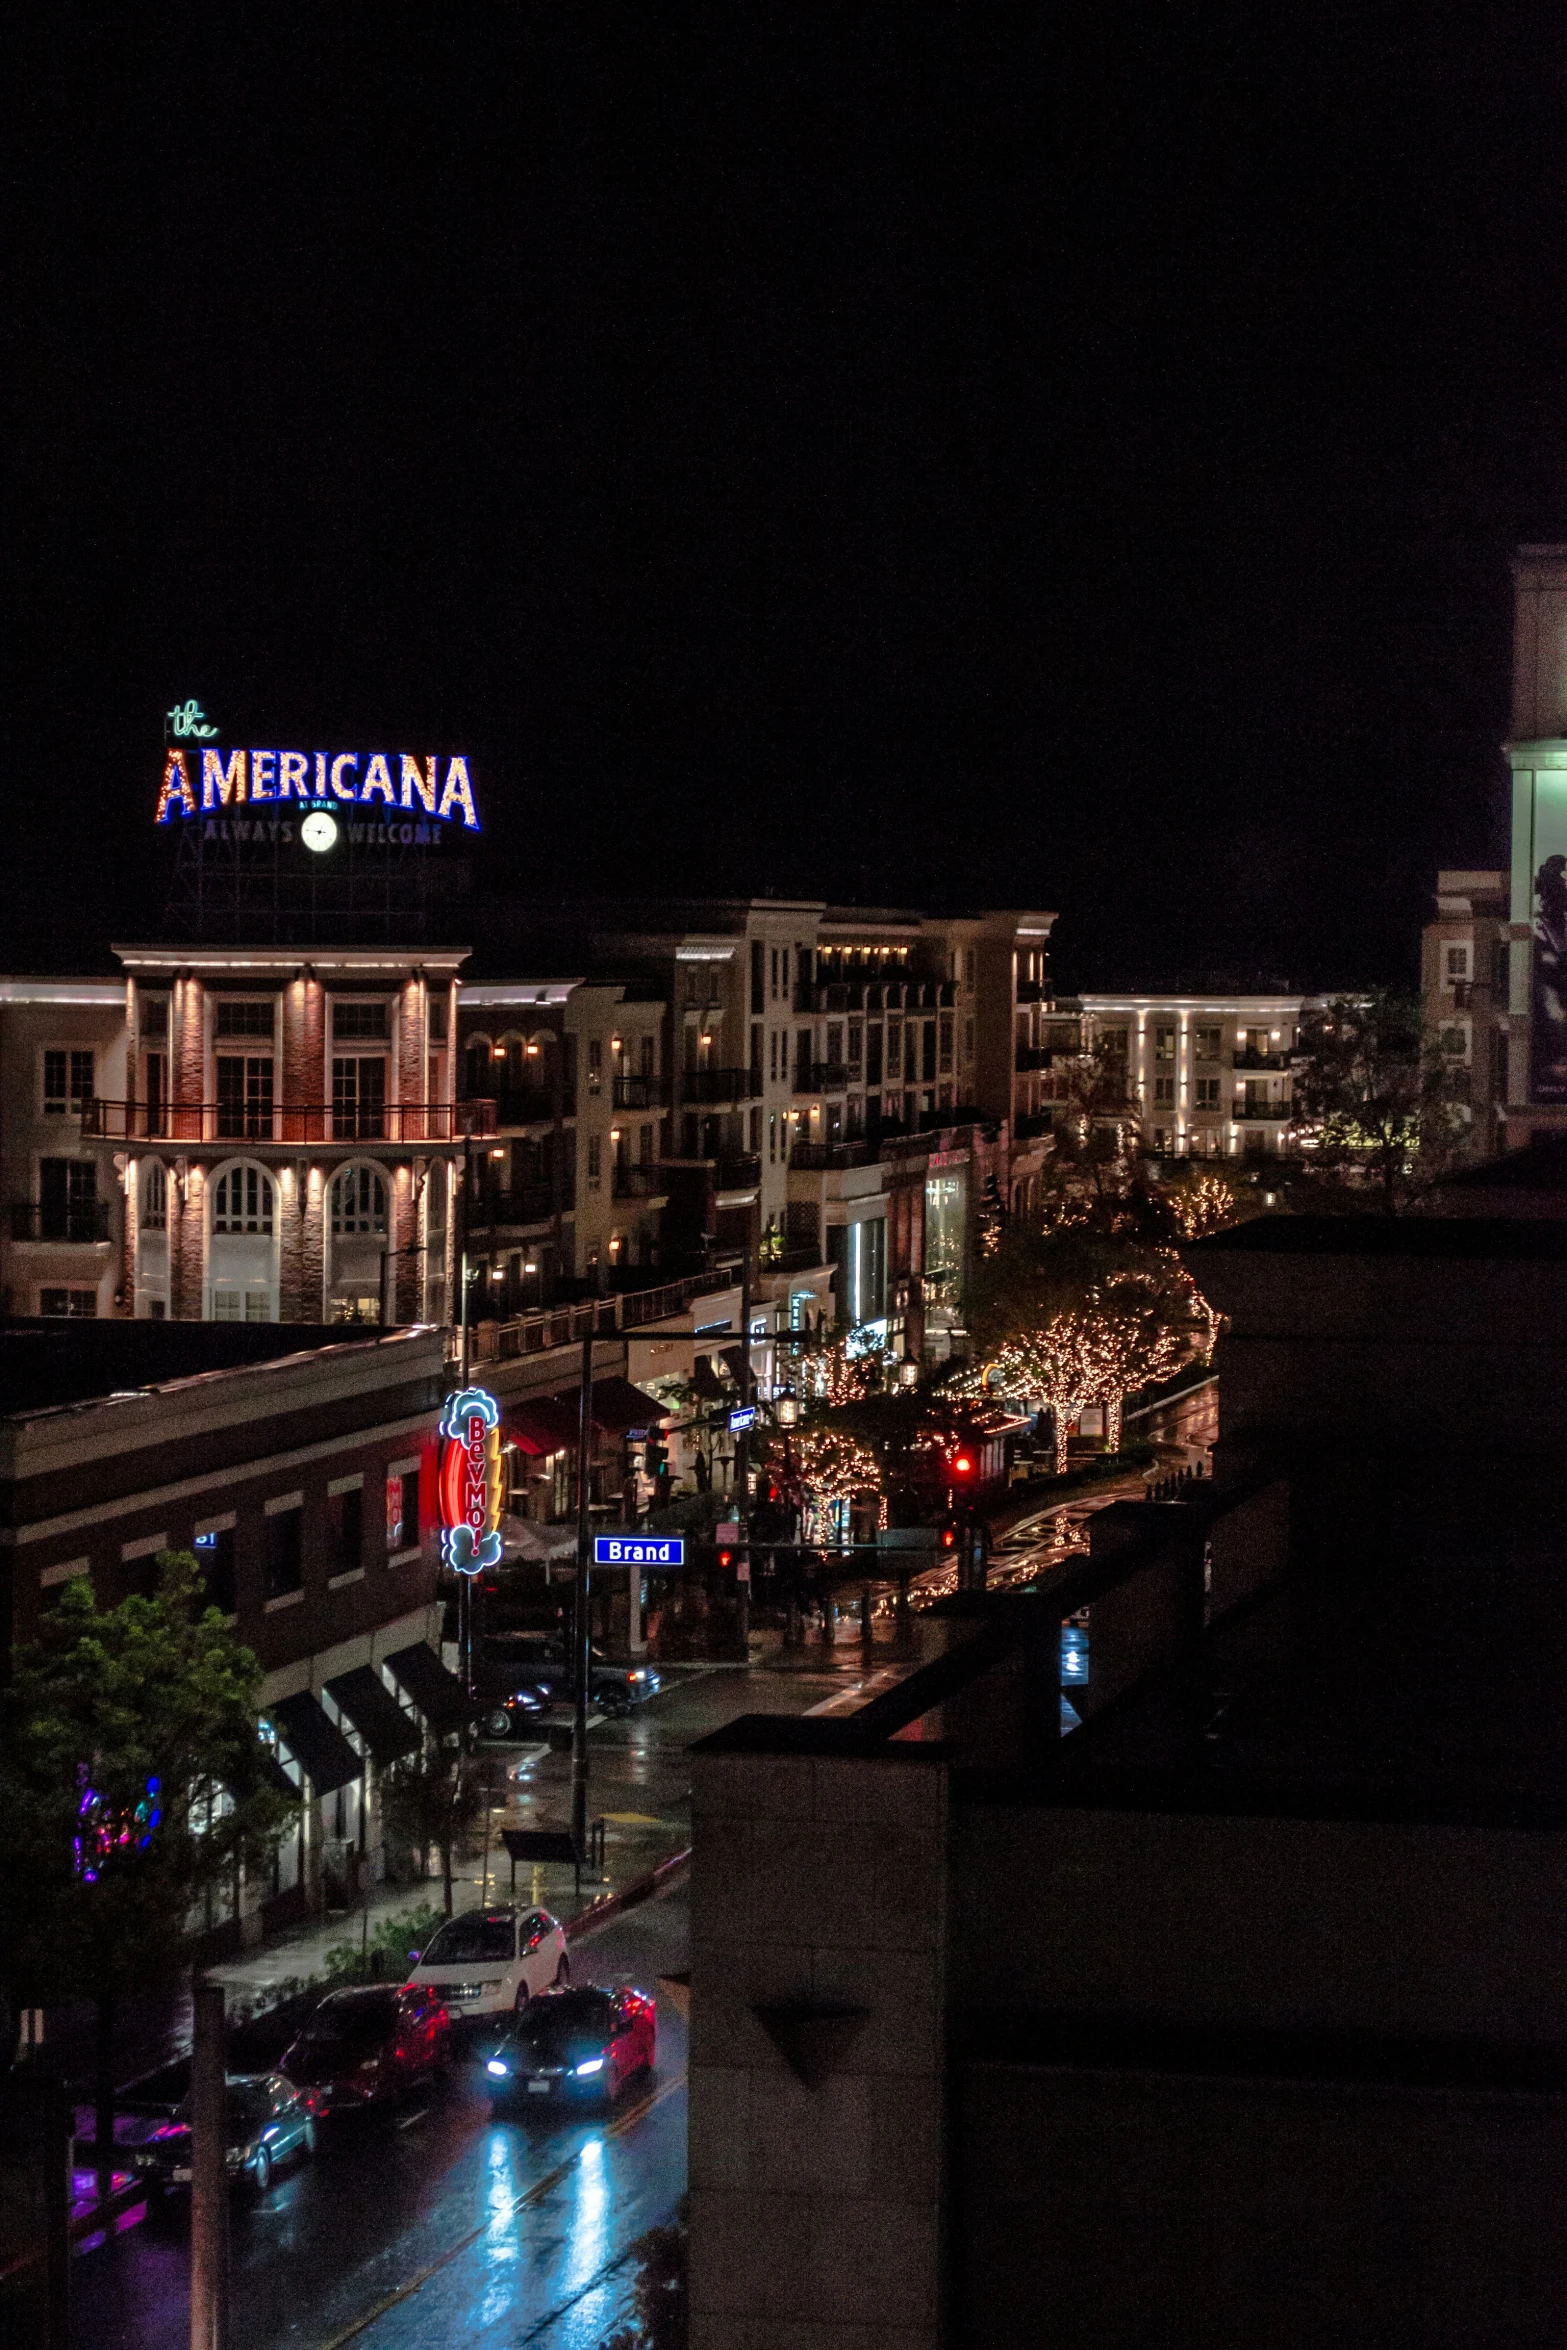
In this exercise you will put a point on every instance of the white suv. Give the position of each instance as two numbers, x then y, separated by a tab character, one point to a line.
488	1962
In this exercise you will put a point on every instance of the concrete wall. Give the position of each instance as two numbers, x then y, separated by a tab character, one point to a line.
1118	2210
816	2211
1263	1924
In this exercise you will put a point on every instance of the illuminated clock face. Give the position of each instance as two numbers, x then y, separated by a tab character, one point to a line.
319	830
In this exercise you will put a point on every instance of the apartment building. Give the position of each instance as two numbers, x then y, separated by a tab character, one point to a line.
302	1478
1464	958
1209	1075
235	1135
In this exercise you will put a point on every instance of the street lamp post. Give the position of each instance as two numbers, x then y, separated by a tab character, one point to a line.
581	1626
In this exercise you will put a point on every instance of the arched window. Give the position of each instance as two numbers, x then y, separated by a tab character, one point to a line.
358	1202
152	1193
242	1200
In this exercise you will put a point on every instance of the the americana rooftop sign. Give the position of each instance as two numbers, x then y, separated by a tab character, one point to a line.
208	781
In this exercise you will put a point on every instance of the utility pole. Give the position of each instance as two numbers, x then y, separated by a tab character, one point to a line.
209	2186
581	1625
743	1463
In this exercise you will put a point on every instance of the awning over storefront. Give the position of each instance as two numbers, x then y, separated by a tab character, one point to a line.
317	1745
545	1424
618	1406
437	1693
375	1713
549	1423
276	1778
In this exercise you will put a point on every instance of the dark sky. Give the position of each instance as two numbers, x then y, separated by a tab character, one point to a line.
873	453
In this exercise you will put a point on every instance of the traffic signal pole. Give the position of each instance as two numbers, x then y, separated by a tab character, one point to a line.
581	1625
743	1465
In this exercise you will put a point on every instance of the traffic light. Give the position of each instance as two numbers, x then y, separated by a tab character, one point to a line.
726	1559
655	1455
961	1466
949	1536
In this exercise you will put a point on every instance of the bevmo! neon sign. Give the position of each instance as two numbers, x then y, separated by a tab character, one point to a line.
468	1485
361	779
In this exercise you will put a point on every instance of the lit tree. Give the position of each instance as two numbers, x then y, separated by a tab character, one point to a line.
831	1467
1134	1328
1204	1203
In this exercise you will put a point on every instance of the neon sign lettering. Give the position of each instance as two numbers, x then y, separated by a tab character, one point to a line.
363	778
468	1486
187	722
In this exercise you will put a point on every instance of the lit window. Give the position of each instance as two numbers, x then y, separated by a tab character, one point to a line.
358	1202
241	1202
153	1193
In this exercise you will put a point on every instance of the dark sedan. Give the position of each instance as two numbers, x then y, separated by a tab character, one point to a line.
521	1672
368	2046
582	2045
270	2123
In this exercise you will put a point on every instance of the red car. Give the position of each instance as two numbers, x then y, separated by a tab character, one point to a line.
367	2046
580	2045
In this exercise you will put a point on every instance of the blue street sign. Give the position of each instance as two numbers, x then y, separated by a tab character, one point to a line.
639	1550
745	1417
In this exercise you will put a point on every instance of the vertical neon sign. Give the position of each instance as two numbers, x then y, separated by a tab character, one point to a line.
468	1486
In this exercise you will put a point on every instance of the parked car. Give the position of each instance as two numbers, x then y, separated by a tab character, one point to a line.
270	2122
489	1962
369	2045
520	1671
572	2046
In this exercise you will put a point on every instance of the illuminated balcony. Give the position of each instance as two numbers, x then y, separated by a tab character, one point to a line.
286	1124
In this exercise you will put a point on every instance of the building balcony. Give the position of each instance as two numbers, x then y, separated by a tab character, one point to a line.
737	1171
1249	1060
829	1158
287	1124
638	1182
720	1085
634	1092
1279	1112
821	1077
1031	1057
521	1203
74	1221
1032	991
529	1105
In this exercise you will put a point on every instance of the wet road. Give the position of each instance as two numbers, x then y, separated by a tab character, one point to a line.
439	2223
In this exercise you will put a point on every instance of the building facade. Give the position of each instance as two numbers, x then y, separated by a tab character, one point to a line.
1207	1076
303	1480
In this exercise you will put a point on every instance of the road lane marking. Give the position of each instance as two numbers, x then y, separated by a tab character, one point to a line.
534	2194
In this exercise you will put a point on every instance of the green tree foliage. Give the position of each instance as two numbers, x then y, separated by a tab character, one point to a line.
432	1797
661	2294
133	1787
1377	1097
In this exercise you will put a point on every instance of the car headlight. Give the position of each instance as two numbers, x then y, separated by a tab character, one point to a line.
494	2065
595	2064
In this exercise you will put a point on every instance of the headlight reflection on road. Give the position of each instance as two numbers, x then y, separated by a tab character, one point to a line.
590	2221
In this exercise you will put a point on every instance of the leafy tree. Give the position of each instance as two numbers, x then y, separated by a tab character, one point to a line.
432	1797
134	1787
1068	1317
661	2292
1377	1097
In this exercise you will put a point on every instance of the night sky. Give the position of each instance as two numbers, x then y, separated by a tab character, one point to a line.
884	454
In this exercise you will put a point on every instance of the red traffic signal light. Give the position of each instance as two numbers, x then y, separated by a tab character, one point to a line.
726	1558
962	1464
949	1537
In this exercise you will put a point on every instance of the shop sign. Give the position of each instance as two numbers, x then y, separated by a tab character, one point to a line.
468	1485
639	1550
212	782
